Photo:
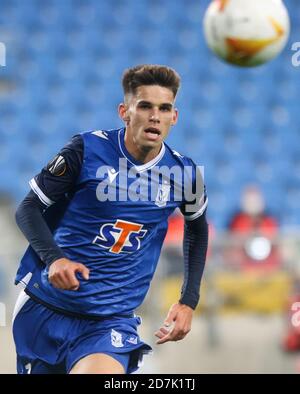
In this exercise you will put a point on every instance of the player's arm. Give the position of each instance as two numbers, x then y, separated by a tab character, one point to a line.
179	320
48	188
195	245
29	217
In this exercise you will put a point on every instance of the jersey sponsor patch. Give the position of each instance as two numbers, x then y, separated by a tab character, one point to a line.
57	166
120	237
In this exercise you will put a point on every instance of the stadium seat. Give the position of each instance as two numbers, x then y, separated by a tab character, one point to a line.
65	63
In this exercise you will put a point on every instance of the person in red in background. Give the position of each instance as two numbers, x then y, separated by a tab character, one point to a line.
256	230
253	217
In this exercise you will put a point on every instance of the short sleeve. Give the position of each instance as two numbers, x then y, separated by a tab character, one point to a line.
59	176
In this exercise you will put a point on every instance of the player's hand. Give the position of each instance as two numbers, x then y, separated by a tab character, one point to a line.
62	274
177	324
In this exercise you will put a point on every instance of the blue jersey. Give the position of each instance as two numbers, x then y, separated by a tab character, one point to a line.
115	224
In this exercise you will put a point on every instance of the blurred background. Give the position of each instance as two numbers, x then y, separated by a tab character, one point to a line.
64	63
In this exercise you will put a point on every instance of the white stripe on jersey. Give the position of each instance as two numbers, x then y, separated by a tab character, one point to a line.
44	199
198	213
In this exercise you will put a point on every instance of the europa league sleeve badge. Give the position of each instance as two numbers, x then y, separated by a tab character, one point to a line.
57	166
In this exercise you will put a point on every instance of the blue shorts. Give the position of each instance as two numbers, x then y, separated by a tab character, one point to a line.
50	342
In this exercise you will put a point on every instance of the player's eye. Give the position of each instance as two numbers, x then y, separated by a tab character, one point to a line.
166	108
144	105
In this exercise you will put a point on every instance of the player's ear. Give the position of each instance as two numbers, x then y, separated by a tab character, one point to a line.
123	112
175	117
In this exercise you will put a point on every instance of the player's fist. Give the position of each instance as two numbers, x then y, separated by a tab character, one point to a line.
177	324
62	274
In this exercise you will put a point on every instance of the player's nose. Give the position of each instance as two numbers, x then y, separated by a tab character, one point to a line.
154	116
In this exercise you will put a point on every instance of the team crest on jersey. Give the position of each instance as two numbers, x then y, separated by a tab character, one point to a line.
120	237
163	194
57	166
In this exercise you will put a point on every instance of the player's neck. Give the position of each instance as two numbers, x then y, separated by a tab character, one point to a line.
140	153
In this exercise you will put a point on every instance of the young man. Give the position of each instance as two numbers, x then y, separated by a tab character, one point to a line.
95	238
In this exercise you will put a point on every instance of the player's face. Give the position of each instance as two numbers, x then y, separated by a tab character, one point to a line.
149	115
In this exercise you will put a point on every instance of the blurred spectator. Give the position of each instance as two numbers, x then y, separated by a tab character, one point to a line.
253	218
255	230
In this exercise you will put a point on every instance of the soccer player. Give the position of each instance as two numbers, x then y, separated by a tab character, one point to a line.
95	238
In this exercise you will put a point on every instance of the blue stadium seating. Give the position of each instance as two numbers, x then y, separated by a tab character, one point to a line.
64	66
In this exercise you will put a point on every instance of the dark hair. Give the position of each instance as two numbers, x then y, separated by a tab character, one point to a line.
150	74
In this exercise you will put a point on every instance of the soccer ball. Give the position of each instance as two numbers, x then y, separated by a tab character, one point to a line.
246	33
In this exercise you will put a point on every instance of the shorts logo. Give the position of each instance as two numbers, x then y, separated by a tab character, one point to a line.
120	236
132	340
116	338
